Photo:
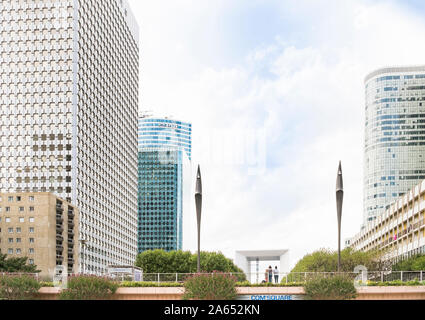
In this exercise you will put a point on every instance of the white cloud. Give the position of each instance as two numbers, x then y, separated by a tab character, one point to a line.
308	99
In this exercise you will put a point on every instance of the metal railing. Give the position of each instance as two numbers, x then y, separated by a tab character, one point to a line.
282	278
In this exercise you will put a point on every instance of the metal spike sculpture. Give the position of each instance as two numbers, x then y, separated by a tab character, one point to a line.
198	202
339	197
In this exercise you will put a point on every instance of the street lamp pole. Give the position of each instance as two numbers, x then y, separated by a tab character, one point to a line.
339	197
198	202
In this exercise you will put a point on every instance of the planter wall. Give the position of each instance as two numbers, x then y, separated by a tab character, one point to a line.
175	293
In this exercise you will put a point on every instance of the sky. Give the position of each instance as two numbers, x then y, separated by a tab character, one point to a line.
274	91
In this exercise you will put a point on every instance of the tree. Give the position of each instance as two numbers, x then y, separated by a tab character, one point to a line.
160	261
415	263
16	265
325	260
85	287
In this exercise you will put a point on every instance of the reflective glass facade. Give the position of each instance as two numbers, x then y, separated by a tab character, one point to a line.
164	154
394	154
68	115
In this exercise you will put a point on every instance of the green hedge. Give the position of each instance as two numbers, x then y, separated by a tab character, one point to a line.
47	284
268	284
415	263
395	283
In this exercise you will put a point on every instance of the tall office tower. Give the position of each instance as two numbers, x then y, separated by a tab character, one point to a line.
69	103
164	182
394	154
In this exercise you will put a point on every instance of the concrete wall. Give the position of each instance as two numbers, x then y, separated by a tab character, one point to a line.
164	293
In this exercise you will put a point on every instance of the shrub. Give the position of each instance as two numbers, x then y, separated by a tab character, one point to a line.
333	288
215	286
268	284
18	287
395	283
89	288
415	263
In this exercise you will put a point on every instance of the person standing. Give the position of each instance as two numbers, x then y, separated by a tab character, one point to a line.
270	269
276	274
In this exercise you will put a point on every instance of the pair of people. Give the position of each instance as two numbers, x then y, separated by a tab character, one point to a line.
269	274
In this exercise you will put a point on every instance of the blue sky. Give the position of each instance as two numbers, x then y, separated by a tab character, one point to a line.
288	76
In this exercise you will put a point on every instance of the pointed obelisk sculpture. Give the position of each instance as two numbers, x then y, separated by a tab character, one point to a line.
339	197
198	202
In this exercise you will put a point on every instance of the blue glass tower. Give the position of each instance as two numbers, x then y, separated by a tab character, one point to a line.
163	160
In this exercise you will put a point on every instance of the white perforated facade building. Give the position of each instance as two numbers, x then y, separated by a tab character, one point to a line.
68	115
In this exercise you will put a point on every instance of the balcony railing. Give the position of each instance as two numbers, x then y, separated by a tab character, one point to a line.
413	227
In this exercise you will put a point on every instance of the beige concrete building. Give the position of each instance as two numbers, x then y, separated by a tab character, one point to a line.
42	227
400	230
